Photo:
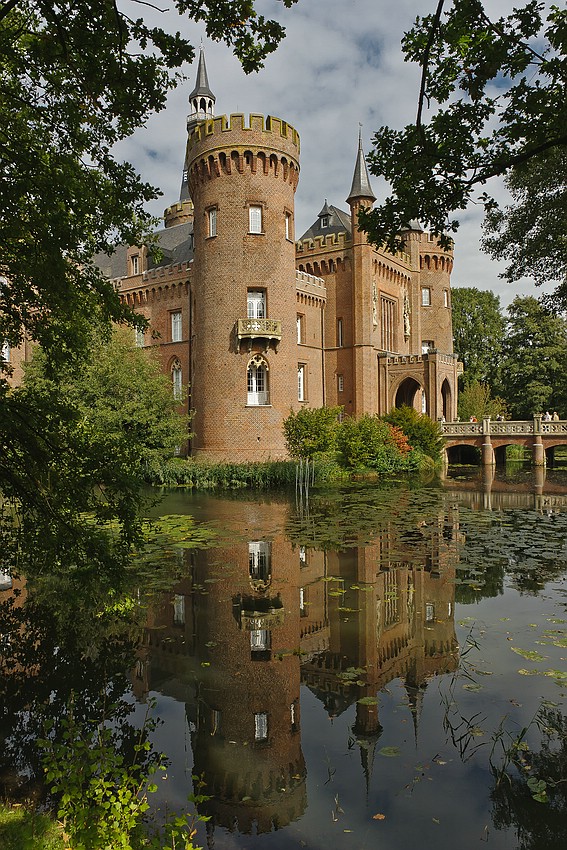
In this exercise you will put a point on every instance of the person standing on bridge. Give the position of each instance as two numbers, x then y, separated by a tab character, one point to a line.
547	416
555	416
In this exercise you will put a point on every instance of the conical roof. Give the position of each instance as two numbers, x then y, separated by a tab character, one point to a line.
202	88
361	180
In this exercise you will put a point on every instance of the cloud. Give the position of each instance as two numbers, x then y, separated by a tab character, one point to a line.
340	65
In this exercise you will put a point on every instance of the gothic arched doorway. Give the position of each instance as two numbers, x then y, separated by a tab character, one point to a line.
411	394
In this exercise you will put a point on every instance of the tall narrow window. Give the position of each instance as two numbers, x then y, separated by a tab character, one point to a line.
255	219
300	328
261	726
258	391
256	304
288	227
340	333
340	383
301	382
176	326
179	610
212	222
445	297
425	296
259	559
135	264
388	321
177	380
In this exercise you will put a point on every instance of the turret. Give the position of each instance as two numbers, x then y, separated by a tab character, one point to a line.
242	179
201	108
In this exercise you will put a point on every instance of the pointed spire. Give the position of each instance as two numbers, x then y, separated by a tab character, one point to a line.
361	181
202	88
202	108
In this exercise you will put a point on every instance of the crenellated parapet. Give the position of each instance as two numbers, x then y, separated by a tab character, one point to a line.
161	284
432	257
331	241
310	289
230	146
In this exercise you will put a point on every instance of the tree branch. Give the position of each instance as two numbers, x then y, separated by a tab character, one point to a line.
6	8
425	62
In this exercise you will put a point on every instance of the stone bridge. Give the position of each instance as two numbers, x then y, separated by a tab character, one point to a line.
492	437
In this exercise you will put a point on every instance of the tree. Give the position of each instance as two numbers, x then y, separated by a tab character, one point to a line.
312	430
534	359
531	233
76	77
476	400
491	99
75	455
478	329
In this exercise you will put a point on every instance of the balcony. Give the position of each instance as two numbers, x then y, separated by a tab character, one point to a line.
259	329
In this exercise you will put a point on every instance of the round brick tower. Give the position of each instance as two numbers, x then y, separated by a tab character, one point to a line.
244	376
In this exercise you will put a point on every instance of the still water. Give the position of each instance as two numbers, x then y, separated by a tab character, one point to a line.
372	667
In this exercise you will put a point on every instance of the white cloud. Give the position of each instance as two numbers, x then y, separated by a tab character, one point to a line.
339	65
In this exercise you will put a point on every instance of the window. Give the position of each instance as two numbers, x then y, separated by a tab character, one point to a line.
176	326
425	296
212	222
288	227
179	610
256	304
388	322
177	379
254	219
300	328
259	559
139	338
339	333
260	640
301	382
429	611
261	726
340	383
302	603
427	345
324	221
135	264
445	298
5	353
257	378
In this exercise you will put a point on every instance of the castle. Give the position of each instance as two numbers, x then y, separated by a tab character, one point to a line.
257	323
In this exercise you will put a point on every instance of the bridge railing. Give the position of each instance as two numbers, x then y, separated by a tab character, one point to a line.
512	428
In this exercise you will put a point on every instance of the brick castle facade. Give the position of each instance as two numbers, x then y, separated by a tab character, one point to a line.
257	323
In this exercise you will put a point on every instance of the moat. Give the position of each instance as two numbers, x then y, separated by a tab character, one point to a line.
365	667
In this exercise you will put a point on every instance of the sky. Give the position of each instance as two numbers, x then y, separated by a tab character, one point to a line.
339	66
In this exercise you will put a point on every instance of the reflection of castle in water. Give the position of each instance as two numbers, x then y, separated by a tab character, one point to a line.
257	618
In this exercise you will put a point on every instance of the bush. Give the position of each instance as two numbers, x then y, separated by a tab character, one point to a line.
312	430
422	432
370	443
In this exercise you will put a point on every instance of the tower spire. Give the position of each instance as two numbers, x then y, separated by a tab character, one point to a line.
361	181
201	108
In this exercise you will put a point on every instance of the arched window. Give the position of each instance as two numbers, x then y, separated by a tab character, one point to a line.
257	378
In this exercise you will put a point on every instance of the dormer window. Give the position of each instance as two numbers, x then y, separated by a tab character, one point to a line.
324	221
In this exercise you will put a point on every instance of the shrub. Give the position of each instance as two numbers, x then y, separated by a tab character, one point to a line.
422	432
369	442
312	430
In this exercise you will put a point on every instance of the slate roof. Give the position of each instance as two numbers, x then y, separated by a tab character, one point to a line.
339	222
361	187
176	244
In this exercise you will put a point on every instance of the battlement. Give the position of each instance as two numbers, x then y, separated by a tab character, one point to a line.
309	284
218	130
333	241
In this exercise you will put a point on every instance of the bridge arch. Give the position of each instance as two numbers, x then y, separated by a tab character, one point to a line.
446	398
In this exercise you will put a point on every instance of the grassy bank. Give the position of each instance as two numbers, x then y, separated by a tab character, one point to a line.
26	829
